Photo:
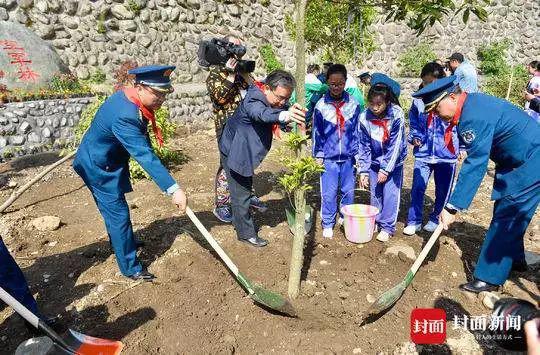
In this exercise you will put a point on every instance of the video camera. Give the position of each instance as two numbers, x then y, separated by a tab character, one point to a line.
218	51
513	338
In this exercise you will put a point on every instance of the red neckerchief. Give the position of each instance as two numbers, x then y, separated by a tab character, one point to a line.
131	94
453	123
384	124
429	119
339	117
276	129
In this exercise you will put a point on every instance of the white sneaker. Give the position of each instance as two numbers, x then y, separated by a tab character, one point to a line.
411	229
430	227
328	233
383	236
340	221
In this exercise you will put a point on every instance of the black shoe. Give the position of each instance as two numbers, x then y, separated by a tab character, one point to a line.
478	286
255	241
142	275
520	266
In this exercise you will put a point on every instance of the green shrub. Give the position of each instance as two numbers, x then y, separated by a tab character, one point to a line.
98	77
497	85
134	7
493	57
497	70
271	62
411	61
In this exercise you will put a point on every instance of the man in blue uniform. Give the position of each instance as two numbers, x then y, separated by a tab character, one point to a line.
119	131
491	128
247	138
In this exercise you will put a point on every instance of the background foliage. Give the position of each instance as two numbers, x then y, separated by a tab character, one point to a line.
411	61
494	64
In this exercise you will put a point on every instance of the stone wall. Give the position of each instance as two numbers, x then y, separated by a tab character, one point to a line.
102	34
517	20
34	126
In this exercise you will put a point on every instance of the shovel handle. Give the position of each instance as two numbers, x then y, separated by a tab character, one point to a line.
215	245
426	249
19	308
33	320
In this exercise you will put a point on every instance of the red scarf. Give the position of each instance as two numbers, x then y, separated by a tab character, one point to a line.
384	124
131	94
453	123
430	119
339	117
276	129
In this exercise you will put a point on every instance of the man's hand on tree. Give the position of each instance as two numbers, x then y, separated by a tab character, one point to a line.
296	114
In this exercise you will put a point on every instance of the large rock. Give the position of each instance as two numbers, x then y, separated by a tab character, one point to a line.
26	46
46	223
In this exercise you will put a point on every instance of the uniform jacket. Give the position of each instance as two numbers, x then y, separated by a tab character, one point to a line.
491	128
117	133
373	150
433	149
327	142
247	135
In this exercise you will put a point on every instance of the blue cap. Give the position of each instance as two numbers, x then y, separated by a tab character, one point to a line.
380	78
432	93
155	76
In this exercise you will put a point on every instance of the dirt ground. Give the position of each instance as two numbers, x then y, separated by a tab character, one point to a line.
195	306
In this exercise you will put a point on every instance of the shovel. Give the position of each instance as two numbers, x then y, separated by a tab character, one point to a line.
387	299
258	294
73	343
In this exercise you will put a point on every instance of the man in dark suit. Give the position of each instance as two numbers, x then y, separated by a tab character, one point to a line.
119	131
247	138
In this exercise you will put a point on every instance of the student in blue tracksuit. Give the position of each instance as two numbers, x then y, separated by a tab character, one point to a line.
491	128
382	150
431	155
335	144
119	131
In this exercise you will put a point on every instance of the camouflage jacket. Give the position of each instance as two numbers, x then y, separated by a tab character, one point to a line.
225	95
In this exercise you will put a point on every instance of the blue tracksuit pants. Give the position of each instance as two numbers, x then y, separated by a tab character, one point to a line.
444	178
388	195
13	282
337	175
115	212
503	243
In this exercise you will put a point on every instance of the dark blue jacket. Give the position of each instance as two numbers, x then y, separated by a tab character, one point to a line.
117	133
247	135
492	128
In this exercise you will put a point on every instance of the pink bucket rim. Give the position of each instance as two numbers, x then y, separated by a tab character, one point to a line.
369	211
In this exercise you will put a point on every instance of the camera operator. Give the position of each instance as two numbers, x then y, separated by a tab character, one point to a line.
227	85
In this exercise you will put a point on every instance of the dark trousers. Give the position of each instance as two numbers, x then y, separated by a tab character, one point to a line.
115	213
13	282
503	243
240	188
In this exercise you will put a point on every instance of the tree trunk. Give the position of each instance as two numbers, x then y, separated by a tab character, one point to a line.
16	194
297	254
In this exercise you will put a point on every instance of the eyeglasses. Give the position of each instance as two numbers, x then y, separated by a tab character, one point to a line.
279	97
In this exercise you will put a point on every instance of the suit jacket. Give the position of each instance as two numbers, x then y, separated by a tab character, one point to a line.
247	135
491	128
117	133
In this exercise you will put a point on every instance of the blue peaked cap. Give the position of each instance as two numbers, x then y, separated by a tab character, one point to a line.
432	93
156	76
380	78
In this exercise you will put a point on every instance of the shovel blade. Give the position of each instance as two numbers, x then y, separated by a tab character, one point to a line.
79	344
385	301
272	300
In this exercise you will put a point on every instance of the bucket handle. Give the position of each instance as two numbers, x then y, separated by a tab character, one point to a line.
357	189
